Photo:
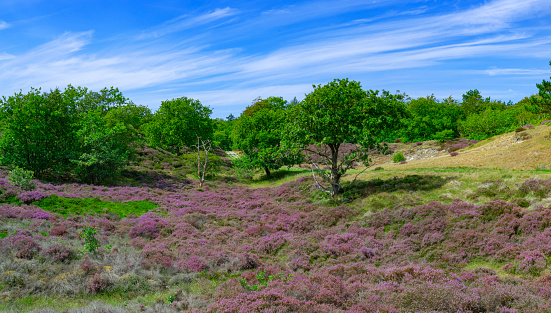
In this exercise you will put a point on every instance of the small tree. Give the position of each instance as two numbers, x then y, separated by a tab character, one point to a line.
204	147
336	114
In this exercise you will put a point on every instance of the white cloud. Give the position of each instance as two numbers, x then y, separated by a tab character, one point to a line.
232	77
4	25
185	22
5	56
516	72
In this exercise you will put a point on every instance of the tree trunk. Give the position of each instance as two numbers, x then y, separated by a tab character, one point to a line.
267	172
335	176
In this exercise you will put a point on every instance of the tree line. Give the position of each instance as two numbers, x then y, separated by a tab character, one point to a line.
83	135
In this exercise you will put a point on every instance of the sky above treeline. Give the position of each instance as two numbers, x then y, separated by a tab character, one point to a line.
227	53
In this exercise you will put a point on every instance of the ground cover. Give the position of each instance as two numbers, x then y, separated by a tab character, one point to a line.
404	239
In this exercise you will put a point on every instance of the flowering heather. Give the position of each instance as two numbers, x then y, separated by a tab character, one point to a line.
8	191
59	253
22	244
457	144
322	256
31	196
539	187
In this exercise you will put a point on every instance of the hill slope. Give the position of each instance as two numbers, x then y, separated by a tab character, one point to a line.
507	151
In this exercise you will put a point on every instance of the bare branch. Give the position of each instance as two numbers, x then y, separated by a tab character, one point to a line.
320	186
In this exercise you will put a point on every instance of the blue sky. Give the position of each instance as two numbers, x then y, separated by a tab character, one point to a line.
227	53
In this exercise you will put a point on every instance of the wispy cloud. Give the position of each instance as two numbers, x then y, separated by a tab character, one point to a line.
5	56
4	25
516	72
185	22
229	76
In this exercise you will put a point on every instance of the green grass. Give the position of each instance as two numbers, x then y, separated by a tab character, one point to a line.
67	206
277	178
493	265
32	303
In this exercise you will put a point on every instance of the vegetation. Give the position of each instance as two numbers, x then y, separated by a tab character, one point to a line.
398	157
543	98
335	114
74	206
258	132
62	134
177	123
460	227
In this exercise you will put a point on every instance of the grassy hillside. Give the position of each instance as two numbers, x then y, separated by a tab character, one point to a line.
510	151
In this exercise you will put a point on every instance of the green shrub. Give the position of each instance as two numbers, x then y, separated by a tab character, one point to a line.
21	178
398	157
446	134
91	244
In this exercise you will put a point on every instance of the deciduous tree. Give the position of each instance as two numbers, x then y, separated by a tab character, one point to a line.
337	113
258	133
177	124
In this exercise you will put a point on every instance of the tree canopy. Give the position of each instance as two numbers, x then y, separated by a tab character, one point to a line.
62	133
258	133
428	119
338	113
177	124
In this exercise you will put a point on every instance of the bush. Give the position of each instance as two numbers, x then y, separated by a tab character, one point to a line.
454	153
446	134
488	123
97	284
31	196
91	244
21	178
59	253
398	157
24	246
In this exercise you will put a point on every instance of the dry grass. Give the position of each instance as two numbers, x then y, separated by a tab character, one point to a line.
506	151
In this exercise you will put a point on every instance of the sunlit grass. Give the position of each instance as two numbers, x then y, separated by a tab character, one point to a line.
68	206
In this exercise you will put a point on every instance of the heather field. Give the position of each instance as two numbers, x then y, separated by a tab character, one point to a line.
402	240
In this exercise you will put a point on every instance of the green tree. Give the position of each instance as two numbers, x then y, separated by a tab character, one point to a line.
38	130
222	133
56	133
429	119
488	123
102	149
258	133
543	98
177	123
337	113
473	103
133	117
